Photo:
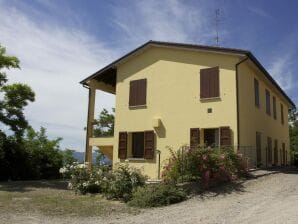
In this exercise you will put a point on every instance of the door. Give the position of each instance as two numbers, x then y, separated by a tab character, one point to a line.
259	149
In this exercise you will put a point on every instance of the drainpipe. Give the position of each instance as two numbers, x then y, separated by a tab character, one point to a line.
237	99
158	153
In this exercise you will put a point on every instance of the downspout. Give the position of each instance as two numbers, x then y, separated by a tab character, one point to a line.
237	100
87	128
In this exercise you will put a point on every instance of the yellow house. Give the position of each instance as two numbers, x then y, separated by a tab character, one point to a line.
172	94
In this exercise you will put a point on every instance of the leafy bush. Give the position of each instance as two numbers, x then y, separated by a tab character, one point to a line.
123	181
85	180
206	164
118	183
157	195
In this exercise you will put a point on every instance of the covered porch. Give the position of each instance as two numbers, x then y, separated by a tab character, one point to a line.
104	80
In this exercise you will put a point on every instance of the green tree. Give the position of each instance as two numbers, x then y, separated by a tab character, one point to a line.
15	97
293	130
104	125
68	157
45	154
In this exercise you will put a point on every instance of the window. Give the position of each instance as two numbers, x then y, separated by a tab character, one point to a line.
282	114
269	145
268	106
137	92
211	137
194	138
274	107
275	152
143	144
138	144
257	97
209	83
259	148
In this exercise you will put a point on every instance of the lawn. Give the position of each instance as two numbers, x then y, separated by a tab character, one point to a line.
52	198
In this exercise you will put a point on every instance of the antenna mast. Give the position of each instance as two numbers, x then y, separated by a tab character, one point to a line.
217	21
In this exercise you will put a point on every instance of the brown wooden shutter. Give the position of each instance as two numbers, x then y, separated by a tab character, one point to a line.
268	106
122	147
149	144
138	92
225	136
142	90
282	113
194	138
209	82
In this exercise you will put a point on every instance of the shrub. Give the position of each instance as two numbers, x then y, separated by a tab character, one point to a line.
206	164
85	180
155	195
117	184
123	181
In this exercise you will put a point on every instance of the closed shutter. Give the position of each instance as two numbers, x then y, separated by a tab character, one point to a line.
269	144
282	113
194	138
209	82
122	147
225	136
149	144
138	92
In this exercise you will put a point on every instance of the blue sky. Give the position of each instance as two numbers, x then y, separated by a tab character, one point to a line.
61	42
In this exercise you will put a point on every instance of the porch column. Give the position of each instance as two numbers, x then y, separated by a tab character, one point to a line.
90	119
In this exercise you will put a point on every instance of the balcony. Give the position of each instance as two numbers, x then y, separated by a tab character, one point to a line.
105	144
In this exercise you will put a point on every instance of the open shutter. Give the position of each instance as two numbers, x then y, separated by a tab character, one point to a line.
149	144
194	138
122	147
225	136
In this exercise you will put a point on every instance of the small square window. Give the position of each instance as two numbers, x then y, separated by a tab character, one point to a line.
209	110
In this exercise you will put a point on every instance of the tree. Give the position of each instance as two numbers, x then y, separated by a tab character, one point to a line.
293	130
104	125
33	156
15	97
68	157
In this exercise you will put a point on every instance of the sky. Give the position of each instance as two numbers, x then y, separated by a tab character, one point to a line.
61	42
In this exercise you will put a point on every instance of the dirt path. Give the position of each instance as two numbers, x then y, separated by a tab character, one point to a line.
269	199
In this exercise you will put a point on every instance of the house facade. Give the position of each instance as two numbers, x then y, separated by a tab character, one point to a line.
171	94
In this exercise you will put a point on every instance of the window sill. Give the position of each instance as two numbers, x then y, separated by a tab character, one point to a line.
137	107
211	99
136	159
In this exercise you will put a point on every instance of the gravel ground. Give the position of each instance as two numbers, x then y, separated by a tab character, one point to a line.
272	197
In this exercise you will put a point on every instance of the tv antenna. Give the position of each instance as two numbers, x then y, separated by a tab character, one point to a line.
217	23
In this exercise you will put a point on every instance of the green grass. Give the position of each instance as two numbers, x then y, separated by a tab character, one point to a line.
51	198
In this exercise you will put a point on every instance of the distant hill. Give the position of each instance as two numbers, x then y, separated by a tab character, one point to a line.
80	156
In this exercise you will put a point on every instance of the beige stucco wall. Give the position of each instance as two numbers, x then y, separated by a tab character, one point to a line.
253	119
173	95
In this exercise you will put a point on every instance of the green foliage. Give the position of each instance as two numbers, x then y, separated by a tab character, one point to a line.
32	157
205	164
15	97
123	181
104	125
118	184
293	130
85	180
99	157
156	195
68	157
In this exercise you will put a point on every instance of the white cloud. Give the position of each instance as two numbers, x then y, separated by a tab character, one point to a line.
259	12
169	20
281	70
54	59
